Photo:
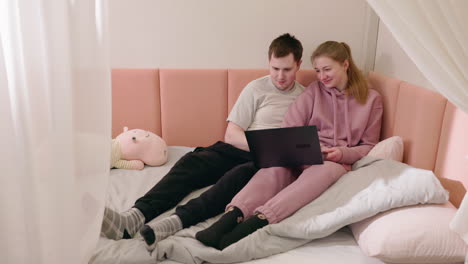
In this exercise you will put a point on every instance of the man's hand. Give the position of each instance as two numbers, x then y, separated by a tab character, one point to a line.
332	154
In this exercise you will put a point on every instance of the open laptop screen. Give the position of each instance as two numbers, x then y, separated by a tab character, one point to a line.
285	147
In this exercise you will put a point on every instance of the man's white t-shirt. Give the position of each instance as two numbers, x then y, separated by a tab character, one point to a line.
261	105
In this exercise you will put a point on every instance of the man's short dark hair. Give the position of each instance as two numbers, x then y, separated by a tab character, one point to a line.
285	44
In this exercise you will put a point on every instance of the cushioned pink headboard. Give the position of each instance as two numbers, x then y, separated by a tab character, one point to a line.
433	130
193	106
452	155
413	113
189	107
136	100
186	107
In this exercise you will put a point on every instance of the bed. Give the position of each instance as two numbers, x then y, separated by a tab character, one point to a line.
432	130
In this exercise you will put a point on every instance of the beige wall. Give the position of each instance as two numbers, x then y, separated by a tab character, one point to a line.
392	61
236	34
232	34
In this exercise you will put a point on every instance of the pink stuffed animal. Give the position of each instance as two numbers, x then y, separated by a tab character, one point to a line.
134	148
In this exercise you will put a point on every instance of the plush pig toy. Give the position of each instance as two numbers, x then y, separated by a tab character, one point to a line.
134	148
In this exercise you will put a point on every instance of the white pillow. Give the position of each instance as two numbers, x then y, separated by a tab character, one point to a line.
390	148
412	234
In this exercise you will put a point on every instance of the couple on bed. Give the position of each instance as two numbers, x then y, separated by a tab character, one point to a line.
348	119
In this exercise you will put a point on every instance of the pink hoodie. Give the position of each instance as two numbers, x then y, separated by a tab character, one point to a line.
341	120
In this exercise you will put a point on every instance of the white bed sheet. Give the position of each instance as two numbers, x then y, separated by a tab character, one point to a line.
126	186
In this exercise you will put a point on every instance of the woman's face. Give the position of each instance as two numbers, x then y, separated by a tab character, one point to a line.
331	73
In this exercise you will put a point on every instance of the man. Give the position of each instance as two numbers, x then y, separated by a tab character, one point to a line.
228	165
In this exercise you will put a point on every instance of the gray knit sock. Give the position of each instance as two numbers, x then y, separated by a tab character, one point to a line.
115	225
154	232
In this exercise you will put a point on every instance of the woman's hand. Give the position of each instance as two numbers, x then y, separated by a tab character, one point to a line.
332	154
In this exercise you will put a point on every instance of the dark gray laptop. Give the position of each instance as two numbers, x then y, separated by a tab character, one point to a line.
285	147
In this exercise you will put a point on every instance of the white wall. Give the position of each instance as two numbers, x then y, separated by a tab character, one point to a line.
392	61
232	34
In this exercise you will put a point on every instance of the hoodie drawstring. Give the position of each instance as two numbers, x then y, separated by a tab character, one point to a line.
347	124
334	117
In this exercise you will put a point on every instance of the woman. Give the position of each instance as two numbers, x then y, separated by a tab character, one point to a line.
348	119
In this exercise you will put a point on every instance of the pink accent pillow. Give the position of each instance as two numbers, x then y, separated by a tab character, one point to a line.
411	234
390	148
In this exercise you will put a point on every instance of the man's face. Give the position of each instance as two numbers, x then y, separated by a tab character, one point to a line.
283	71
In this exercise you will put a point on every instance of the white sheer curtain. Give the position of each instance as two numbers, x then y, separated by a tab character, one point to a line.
434	34
55	129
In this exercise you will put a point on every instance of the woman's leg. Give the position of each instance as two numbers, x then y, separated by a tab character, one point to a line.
242	230
312	182
213	234
263	185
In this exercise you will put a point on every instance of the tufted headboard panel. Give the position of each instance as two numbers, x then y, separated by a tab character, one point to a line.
189	107
433	131
186	107
193	106
136	100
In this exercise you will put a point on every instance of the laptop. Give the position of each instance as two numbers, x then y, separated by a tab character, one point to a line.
285	147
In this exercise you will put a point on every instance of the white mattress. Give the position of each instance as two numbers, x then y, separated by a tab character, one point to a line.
126	186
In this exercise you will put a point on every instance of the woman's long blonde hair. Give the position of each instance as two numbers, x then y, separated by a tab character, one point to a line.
340	52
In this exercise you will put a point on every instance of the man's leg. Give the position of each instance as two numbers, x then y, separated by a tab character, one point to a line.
210	203
213	201
121	225
195	170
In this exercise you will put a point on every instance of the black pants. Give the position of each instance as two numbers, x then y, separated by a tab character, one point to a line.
224	165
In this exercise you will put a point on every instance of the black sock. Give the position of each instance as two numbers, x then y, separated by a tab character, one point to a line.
242	230
215	232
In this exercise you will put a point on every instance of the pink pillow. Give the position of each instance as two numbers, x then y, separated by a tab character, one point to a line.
412	234
390	148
